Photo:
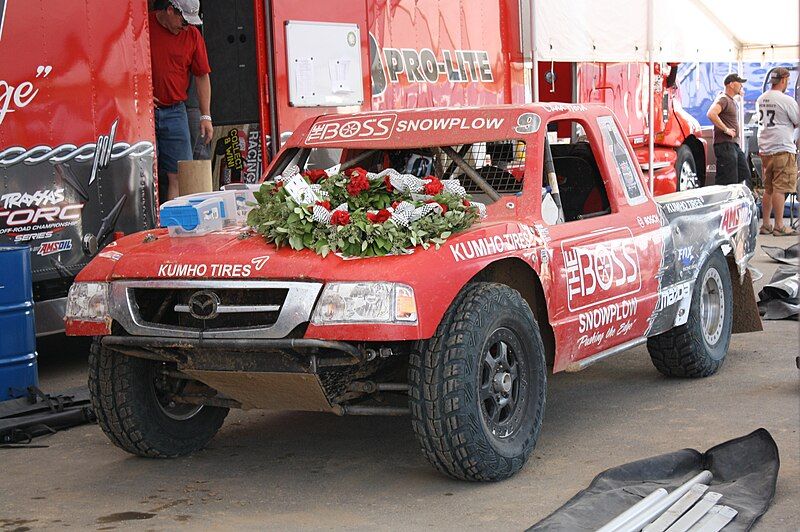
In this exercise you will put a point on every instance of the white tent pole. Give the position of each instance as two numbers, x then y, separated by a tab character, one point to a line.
534	55
650	106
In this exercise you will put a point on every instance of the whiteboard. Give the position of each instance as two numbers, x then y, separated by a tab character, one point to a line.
324	64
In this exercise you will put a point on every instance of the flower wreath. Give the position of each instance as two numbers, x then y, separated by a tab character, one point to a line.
361	214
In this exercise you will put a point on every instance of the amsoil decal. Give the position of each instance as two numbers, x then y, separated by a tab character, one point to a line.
56	246
602	271
36	216
734	218
381	127
423	66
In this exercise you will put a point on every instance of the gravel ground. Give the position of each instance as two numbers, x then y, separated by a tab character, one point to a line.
287	471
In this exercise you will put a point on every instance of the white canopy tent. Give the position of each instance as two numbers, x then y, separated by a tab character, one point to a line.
681	30
663	31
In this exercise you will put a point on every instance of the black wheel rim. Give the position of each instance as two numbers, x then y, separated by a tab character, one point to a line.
164	388
502	386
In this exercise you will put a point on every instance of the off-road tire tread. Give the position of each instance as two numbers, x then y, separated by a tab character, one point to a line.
445	430
119	412
680	351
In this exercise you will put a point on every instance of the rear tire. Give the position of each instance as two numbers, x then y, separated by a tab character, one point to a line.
477	391
686	169
126	401
698	348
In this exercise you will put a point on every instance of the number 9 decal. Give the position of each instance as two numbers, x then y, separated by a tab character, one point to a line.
528	123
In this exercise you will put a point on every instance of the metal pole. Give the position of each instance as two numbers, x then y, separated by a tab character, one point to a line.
535	73
650	106
652	512
274	135
634	510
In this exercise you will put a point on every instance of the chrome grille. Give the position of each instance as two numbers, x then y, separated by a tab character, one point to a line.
258	309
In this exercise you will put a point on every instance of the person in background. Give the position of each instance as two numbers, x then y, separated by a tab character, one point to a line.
731	163
177	50
778	117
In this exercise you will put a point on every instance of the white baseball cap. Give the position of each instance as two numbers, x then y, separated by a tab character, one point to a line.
190	9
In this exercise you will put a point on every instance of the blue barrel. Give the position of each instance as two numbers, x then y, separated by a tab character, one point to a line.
17	328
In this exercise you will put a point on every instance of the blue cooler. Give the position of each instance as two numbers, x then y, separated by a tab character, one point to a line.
17	328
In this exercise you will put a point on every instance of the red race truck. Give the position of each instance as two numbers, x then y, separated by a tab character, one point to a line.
432	262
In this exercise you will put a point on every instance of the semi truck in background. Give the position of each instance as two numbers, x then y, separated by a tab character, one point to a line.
76	136
76	121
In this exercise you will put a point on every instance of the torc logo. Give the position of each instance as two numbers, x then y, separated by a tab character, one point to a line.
56	246
374	127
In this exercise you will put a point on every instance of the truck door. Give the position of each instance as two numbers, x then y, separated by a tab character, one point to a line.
606	254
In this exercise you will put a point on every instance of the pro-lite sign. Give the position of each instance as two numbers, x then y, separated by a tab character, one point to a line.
458	66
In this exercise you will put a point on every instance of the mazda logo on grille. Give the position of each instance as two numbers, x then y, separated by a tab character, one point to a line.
204	304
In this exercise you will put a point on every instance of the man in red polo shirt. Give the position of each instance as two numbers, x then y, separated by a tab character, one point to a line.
177	50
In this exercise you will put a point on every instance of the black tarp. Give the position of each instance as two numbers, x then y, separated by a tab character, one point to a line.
745	472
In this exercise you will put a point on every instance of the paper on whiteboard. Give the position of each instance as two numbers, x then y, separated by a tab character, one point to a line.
304	77
338	69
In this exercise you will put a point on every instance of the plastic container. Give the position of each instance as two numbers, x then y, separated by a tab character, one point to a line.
17	328
199	214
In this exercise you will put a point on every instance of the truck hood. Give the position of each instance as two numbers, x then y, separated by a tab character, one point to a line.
227	255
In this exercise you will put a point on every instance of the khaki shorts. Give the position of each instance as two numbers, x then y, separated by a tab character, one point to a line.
780	172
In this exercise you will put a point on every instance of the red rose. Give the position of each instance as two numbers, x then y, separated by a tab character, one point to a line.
278	185
389	187
466	203
315	175
395	204
357	185
442	205
340	218
355	172
433	186
379	217
326	204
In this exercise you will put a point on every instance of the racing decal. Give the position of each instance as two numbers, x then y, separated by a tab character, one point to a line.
233	151
569	107
374	127
528	123
685	255
381	127
203	270
600	317
673	294
259	262
422	66
629	179
111	255
493	245
735	217
437	124
56	246
650	219
23	94
598	272
683	205
37	216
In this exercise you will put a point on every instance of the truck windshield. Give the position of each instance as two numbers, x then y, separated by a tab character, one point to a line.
487	170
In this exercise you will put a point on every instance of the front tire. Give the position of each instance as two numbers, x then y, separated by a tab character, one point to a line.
477	389
686	169
128	396
698	348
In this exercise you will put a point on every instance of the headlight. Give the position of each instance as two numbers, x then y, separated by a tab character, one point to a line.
366	303
88	302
